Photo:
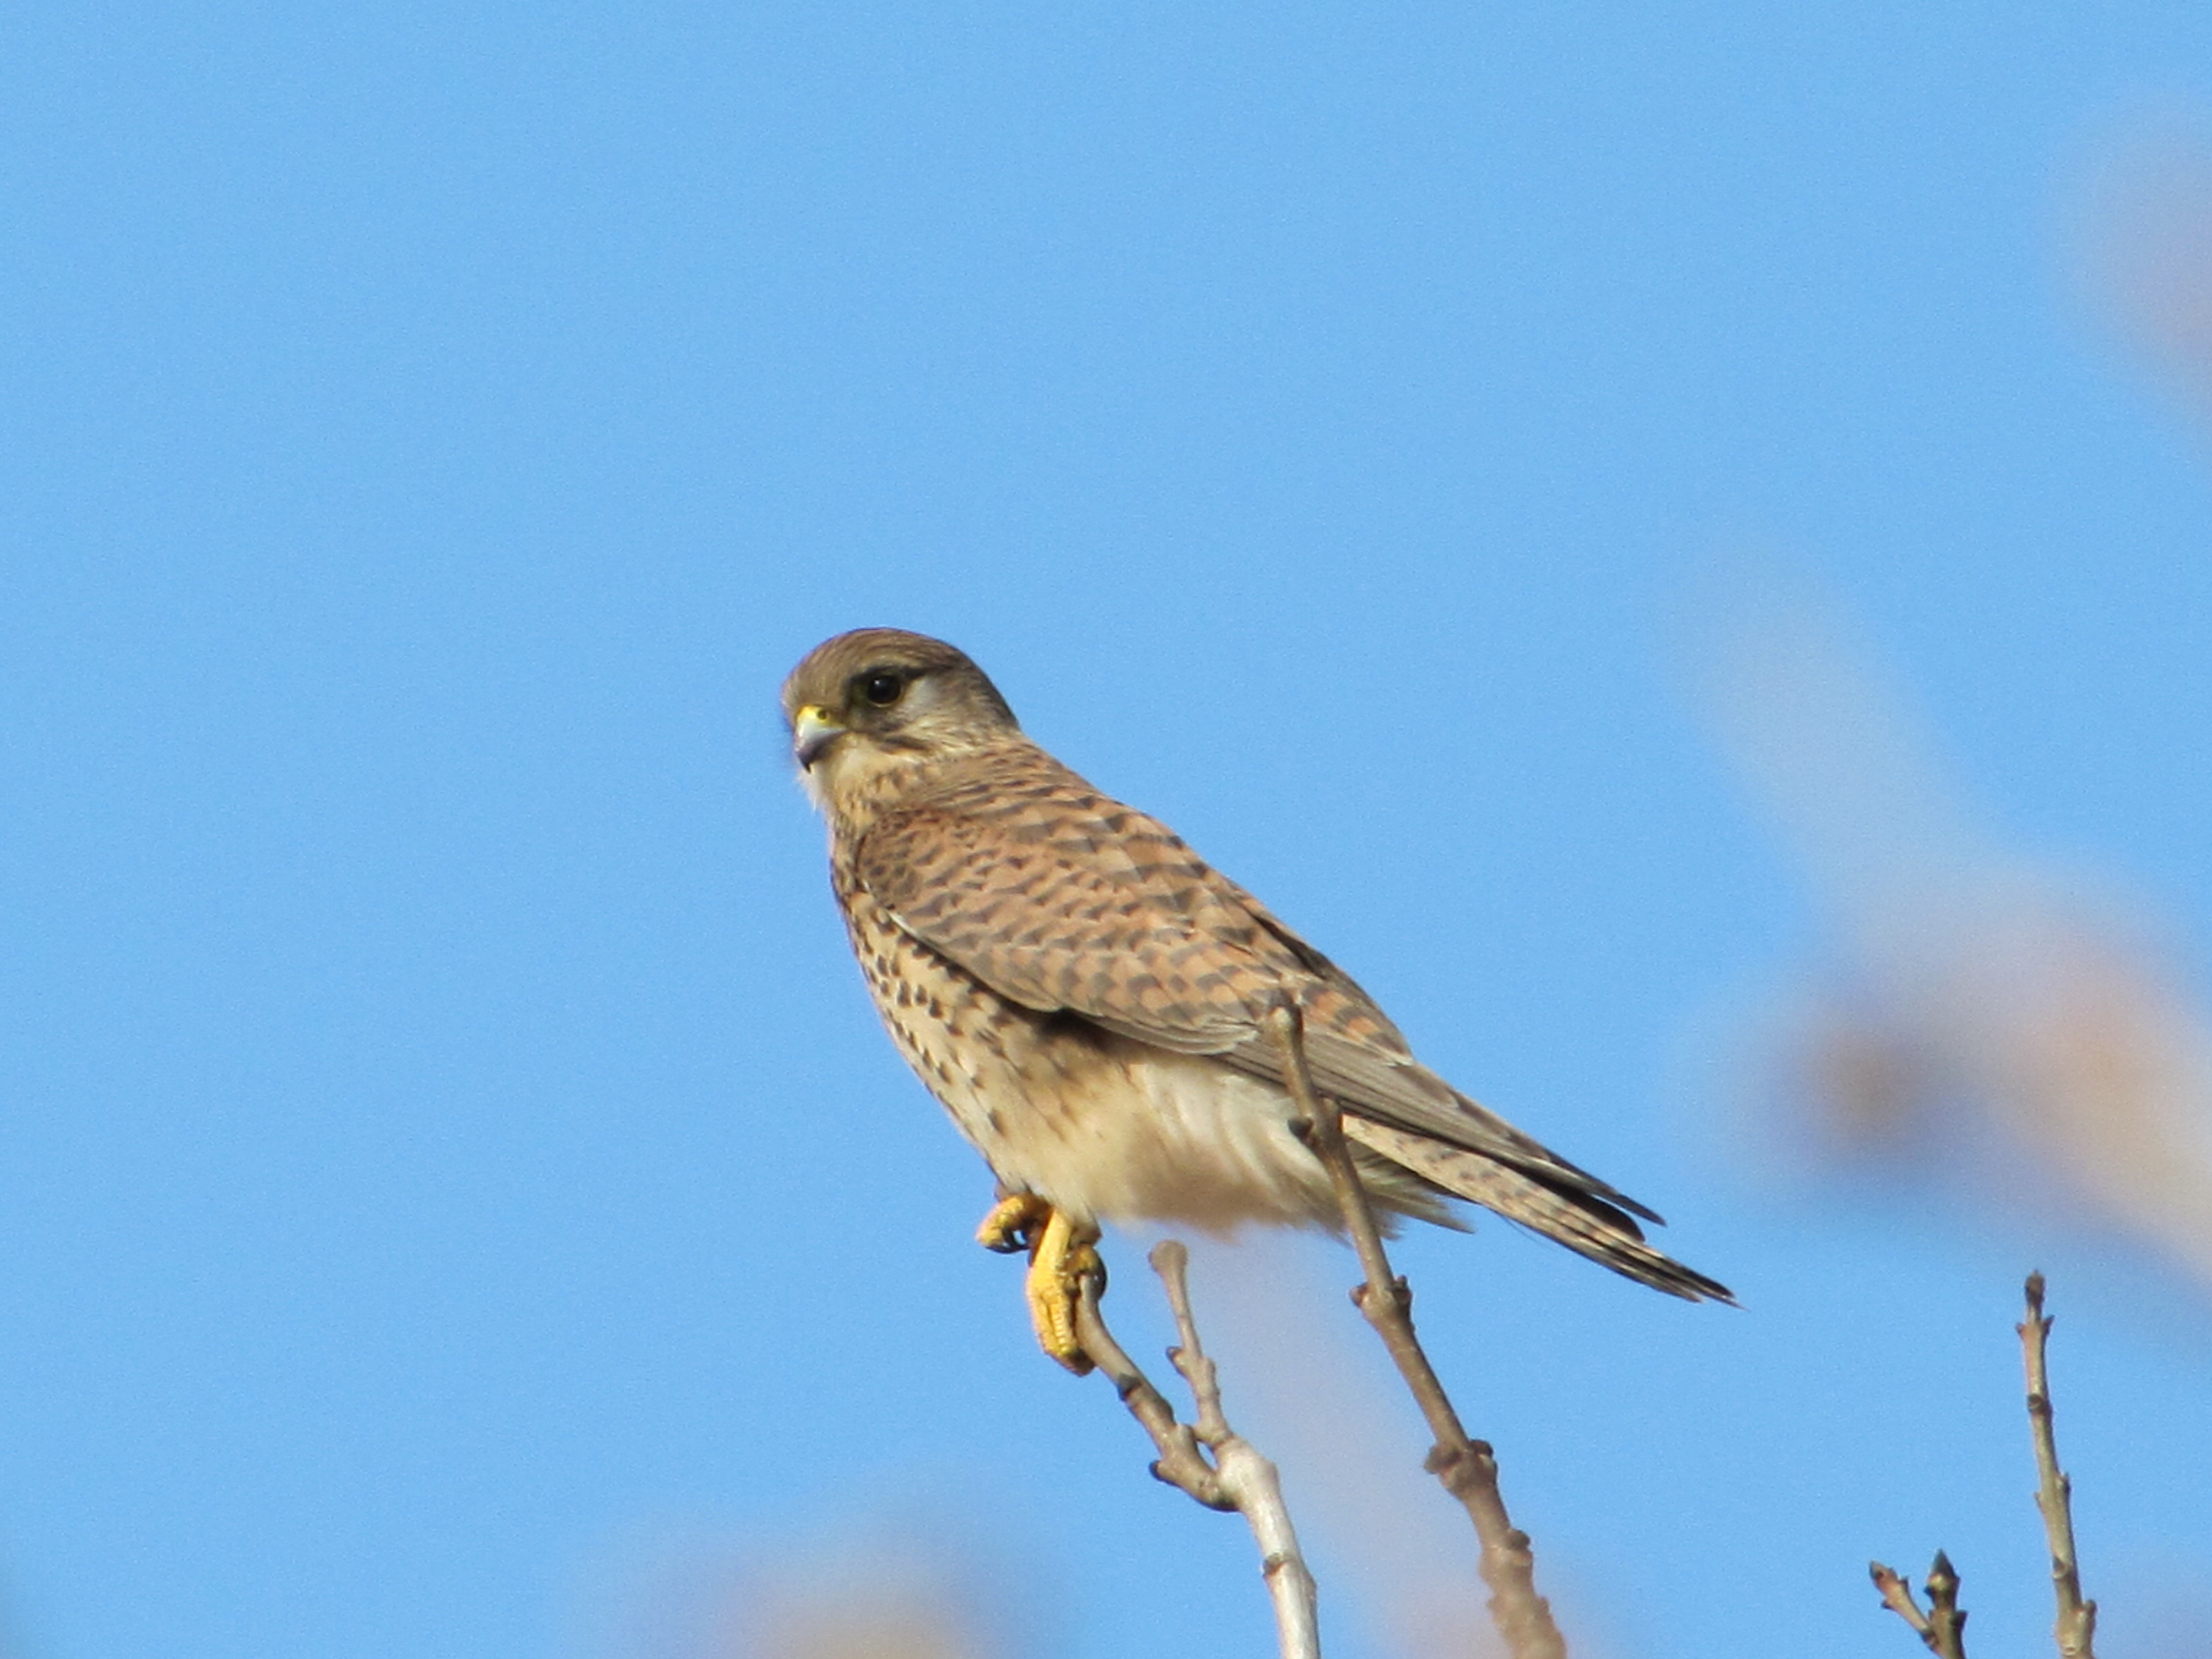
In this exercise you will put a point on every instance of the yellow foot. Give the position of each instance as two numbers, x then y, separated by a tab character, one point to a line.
1062	1254
1013	1221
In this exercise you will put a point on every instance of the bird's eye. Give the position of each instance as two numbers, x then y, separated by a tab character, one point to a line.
882	690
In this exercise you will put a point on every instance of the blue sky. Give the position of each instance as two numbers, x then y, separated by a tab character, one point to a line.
452	1187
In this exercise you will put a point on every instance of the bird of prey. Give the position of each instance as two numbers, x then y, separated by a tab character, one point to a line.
1090	1000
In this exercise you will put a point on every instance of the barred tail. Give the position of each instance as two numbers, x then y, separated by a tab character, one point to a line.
1584	1223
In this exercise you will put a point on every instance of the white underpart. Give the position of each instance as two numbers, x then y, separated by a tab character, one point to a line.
847	766
1154	1136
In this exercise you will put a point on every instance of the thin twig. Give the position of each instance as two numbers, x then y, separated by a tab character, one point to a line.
1246	1480
1945	1615
1467	1467
1897	1596
1236	1477
1181	1462
2076	1625
1942	1628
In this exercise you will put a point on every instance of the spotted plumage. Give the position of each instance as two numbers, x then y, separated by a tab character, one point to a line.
1088	997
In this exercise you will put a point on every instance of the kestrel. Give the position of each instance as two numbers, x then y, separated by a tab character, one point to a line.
1089	1000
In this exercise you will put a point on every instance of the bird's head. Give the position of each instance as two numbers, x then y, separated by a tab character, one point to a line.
878	699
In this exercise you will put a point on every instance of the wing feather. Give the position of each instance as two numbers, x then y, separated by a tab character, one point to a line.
1568	1215
1099	911
1060	898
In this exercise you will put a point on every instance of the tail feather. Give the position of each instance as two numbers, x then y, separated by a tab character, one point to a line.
1585	1223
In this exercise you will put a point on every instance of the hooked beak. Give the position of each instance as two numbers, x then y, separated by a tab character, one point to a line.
813	731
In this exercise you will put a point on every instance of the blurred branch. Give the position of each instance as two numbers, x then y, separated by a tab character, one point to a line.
2077	1619
1235	1476
1942	1628
1991	1017
1467	1467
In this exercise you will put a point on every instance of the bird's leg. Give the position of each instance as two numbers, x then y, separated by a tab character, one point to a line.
1062	1254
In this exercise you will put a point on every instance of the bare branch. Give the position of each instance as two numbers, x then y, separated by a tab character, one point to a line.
1897	1596
1942	1628
1467	1467
2076	1625
1945	1617
1248	1479
1181	1464
1236	1477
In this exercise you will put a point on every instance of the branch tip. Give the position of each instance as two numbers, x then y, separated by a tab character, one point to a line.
2075	1625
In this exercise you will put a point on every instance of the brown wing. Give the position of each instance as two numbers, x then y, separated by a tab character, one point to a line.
1358	1055
1058	897
1067	900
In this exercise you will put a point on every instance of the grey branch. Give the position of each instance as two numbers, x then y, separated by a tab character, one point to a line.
1235	1476
1942	1628
1467	1468
2076	1625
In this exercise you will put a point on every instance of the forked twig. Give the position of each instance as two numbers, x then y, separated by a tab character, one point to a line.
1943	1625
1467	1467
1942	1628
1235	1476
1245	1477
2076	1625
